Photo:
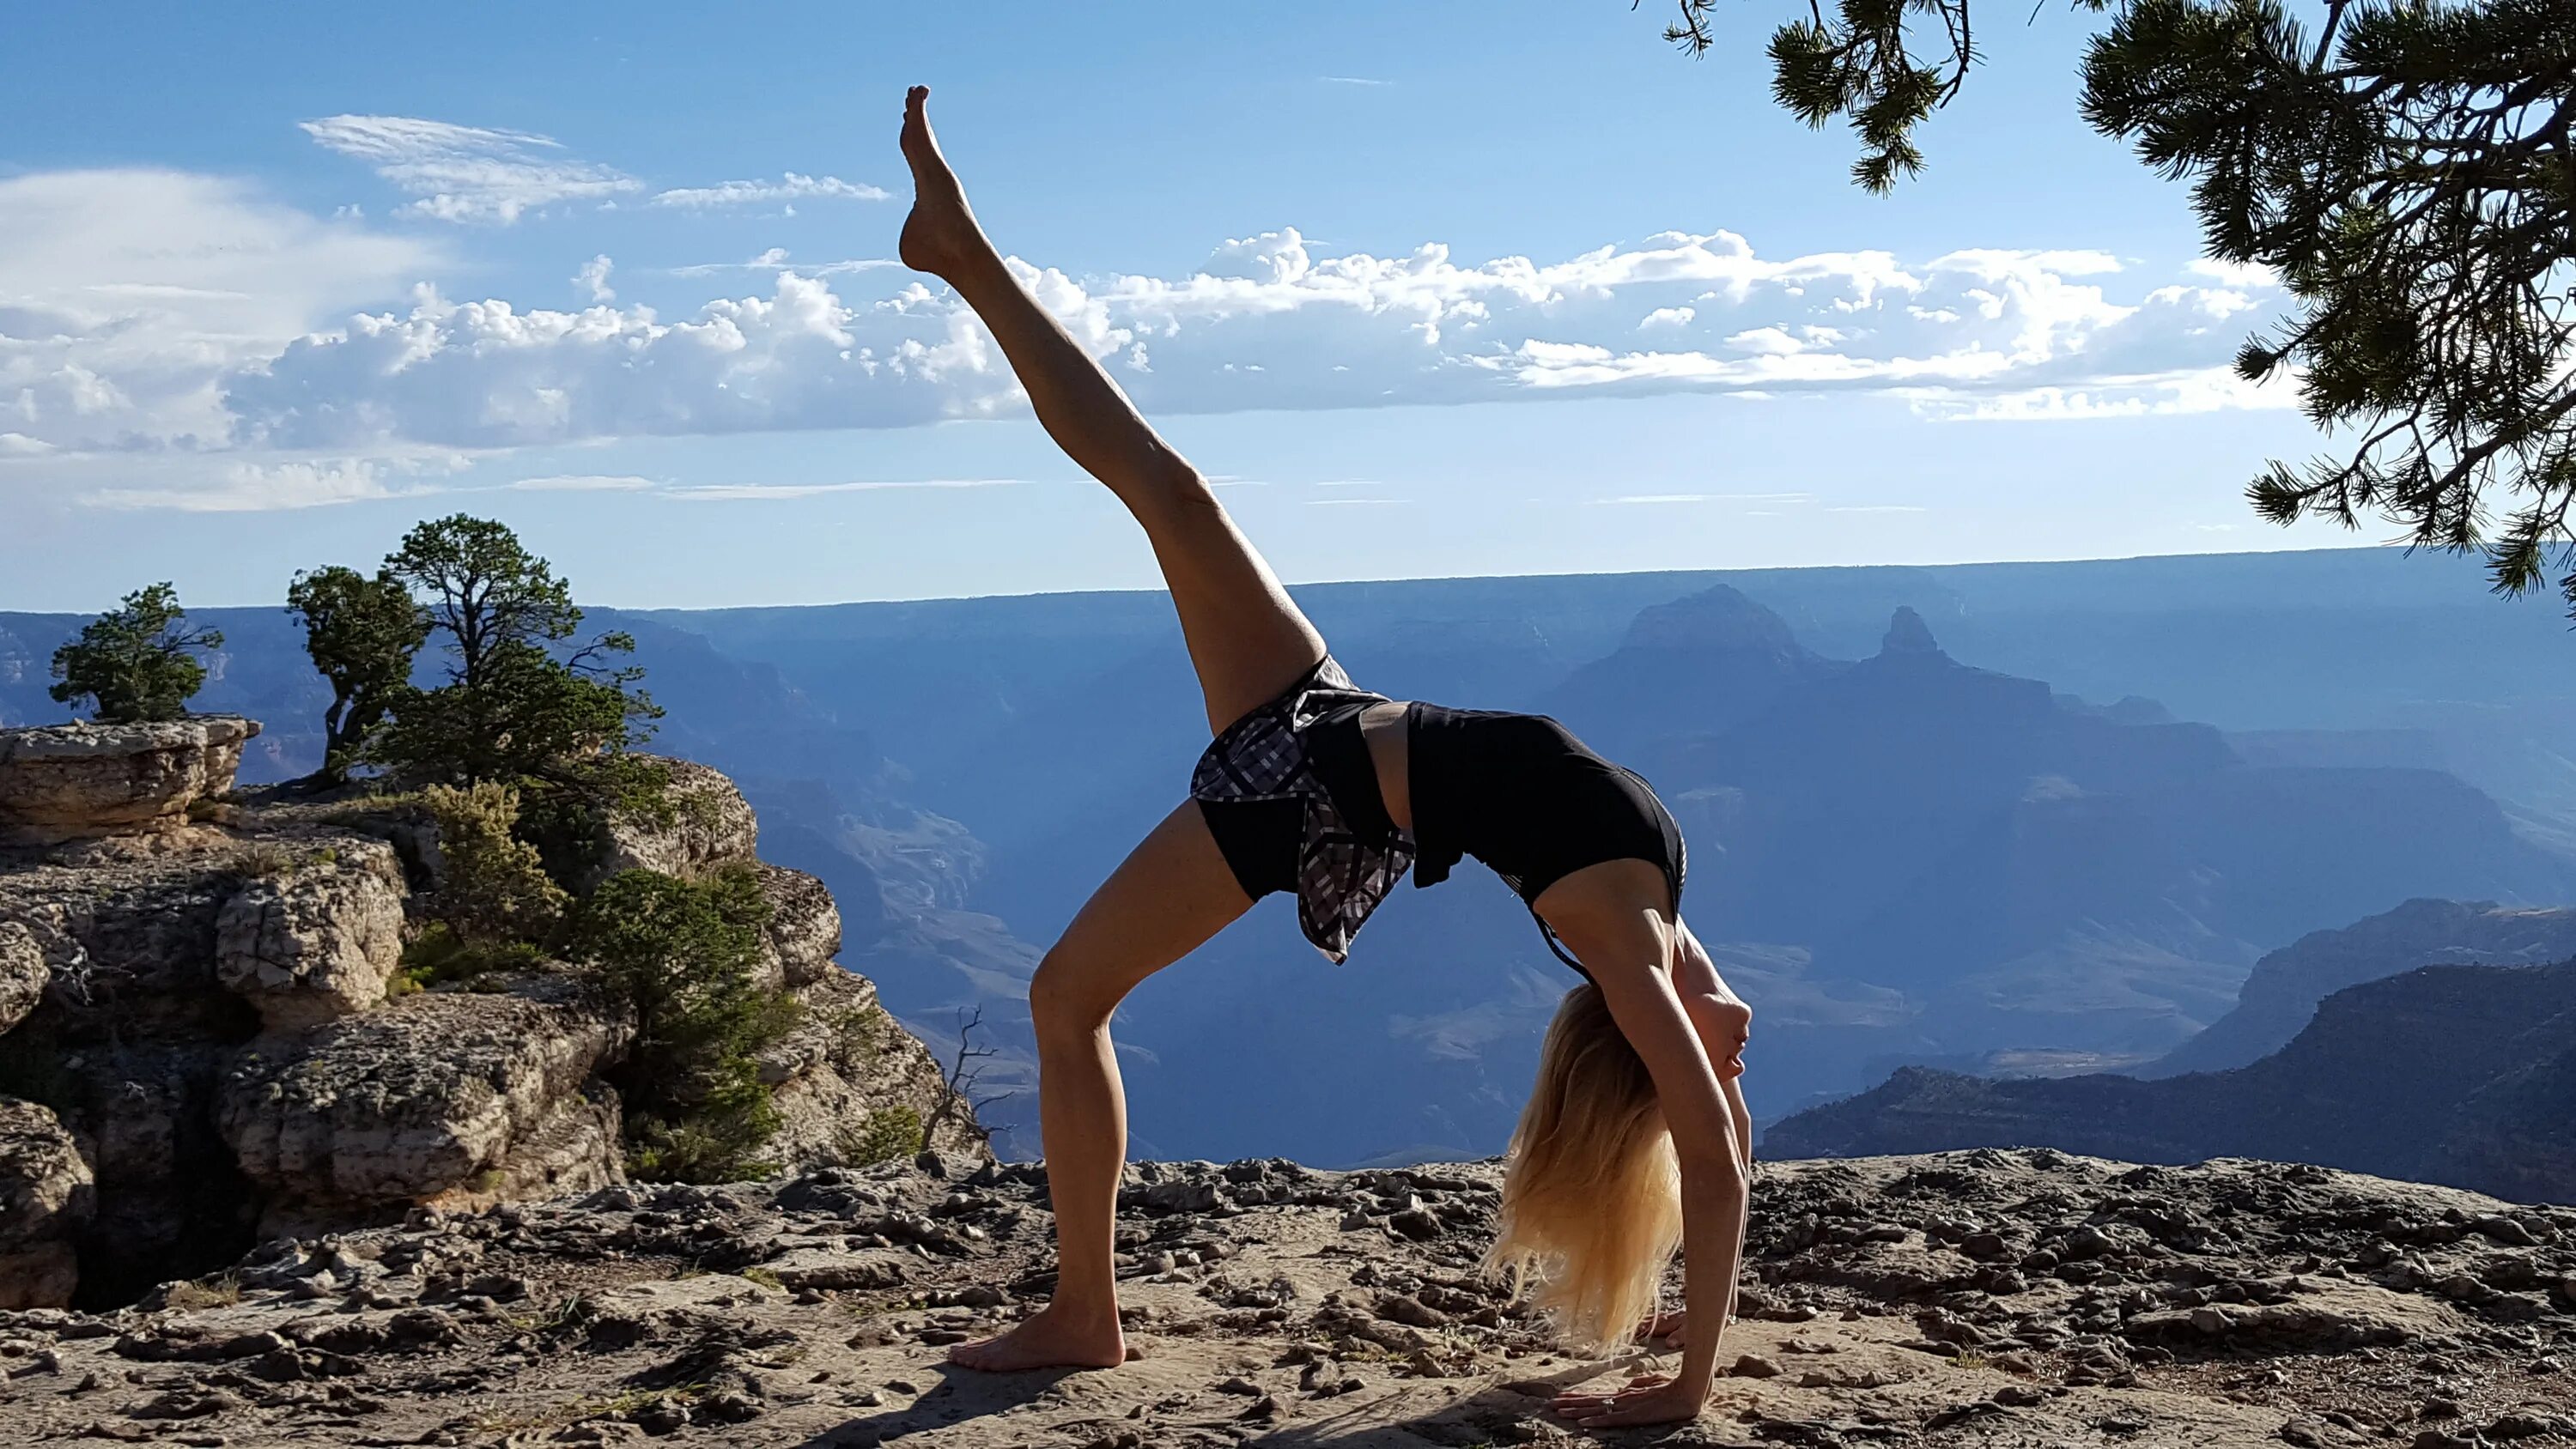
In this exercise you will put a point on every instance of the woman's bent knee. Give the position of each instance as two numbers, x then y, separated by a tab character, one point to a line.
1069	995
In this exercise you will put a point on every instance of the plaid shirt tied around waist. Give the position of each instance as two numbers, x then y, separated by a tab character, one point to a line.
1341	875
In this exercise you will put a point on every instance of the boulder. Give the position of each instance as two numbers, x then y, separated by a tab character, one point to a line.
317	942
45	1197
711	827
76	781
432	1094
804	926
23	973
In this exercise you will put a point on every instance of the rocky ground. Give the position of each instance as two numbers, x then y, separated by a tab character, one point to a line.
1986	1298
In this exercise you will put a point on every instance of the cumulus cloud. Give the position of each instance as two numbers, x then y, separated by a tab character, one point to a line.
1266	322
789	188
269	338
593	278
469	174
127	296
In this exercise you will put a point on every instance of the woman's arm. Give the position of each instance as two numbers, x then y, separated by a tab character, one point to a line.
1723	1021
1640	991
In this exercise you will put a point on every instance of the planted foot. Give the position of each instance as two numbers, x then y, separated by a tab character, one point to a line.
1666	1329
941	231
1049	1340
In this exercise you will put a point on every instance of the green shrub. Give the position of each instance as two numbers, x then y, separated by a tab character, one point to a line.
857	1038
441	957
883	1135
682	956
493	891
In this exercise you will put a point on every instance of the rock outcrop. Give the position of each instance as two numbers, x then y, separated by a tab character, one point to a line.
23	973
46	1197
711	826
2004	1298
74	781
435	1098
202	1042
317	943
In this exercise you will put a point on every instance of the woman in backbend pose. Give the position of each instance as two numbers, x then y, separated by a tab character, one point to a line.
1636	1139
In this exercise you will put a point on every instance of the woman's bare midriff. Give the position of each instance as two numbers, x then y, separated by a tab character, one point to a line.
1390	750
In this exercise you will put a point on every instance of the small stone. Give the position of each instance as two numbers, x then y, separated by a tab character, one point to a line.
1754	1366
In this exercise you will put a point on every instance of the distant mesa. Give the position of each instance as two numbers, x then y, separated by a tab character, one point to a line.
1720	618
2461	1075
2281	994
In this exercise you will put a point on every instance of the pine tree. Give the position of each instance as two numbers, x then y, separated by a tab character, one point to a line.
362	633
136	661
2406	168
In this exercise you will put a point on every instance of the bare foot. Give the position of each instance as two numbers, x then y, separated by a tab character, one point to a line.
941	230
1667	1329
1045	1341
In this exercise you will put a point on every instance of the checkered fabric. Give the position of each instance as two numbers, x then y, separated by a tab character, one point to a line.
1341	876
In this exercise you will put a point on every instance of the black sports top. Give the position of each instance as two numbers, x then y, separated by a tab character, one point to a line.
1522	794
1291	795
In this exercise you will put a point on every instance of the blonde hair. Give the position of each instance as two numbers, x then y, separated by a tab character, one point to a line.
1591	1190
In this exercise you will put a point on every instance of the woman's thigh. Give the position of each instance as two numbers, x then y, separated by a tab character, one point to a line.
1172	893
1246	637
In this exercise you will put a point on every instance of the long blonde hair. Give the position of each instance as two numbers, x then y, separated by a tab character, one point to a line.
1591	1190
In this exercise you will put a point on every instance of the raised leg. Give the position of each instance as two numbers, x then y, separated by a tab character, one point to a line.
1247	638
1172	892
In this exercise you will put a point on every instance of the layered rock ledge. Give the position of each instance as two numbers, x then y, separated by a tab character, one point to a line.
202	1044
73	781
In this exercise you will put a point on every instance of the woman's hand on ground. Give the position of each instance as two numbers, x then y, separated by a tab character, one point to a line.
1648	1399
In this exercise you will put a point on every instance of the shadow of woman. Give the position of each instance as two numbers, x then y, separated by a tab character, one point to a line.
1495	1414
961	1395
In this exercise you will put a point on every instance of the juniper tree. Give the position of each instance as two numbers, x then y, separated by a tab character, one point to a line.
514	707
363	634
683	956
2405	168
136	661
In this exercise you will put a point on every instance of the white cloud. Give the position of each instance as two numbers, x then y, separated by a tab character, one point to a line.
1653	498
127	296
115	344
1771	341
776	260
1668	317
1267	323
269	487
582	483
470	174
592	278
2250	275
747	492
1351	80
789	188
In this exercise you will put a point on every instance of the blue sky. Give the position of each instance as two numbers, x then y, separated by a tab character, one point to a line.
1506	288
